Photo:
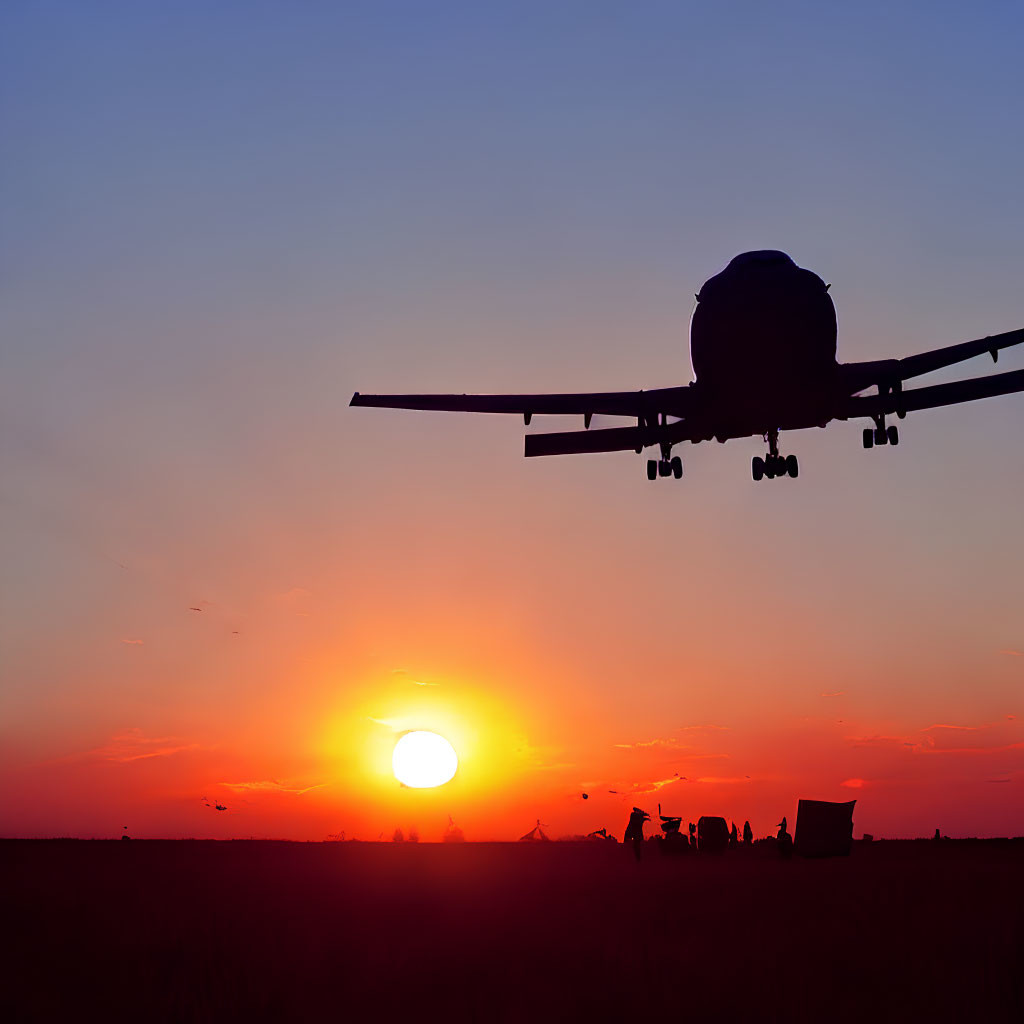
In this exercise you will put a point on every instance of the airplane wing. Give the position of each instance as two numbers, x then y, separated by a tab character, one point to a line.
891	372
638	404
935	396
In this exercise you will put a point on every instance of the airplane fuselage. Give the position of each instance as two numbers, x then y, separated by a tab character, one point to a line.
763	345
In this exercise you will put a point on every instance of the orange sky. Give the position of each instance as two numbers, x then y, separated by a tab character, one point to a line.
201	268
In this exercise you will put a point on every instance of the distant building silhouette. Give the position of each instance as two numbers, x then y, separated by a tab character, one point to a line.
823	828
453	834
748	834
712	834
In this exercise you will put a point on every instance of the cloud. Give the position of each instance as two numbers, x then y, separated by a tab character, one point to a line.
389	722
707	728
415	682
835	693
854	783
1012	653
269	785
674	743
133	745
125	640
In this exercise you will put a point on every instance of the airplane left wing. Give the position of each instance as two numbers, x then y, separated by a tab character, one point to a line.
933	397
890	373
638	404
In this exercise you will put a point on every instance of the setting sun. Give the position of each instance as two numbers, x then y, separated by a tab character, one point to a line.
423	760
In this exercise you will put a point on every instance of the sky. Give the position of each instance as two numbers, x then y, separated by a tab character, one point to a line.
220	584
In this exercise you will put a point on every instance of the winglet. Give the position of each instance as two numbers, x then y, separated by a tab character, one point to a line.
354	397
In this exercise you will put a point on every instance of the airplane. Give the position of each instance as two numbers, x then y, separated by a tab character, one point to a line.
763	352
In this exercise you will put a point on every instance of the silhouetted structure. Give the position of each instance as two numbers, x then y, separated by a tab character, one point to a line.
453	834
397	836
748	834
670	824
535	835
938	835
824	829
785	840
635	830
712	834
734	838
601	835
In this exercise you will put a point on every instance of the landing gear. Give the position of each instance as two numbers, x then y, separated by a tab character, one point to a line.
773	464
666	465
881	434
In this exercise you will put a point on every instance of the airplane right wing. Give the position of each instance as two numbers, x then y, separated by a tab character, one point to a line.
638	404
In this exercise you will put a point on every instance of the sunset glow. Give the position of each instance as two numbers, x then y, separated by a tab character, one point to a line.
227	596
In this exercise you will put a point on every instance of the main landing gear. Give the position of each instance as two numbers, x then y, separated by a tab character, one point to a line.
667	465
773	464
881	434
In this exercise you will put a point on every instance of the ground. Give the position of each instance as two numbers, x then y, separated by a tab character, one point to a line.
204	931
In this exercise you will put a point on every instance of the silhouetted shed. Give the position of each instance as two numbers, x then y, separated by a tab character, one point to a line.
712	835
824	829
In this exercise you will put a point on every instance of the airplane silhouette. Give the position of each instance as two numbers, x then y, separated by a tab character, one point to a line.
763	351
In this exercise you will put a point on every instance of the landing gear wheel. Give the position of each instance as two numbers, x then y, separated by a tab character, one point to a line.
869	437
677	468
652	470
792	466
880	437
757	467
664	468
893	434
769	467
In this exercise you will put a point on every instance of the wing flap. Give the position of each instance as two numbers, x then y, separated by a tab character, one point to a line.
613	439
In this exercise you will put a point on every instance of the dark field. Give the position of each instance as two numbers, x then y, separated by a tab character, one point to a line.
262	930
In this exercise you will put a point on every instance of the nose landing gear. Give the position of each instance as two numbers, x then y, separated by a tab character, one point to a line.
667	465
773	464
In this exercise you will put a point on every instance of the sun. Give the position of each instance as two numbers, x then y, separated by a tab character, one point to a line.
423	760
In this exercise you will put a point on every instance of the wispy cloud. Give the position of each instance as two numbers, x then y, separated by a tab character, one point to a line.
269	785
854	783
415	682
704	728
835	693
1012	653
134	745
125	640
646	744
